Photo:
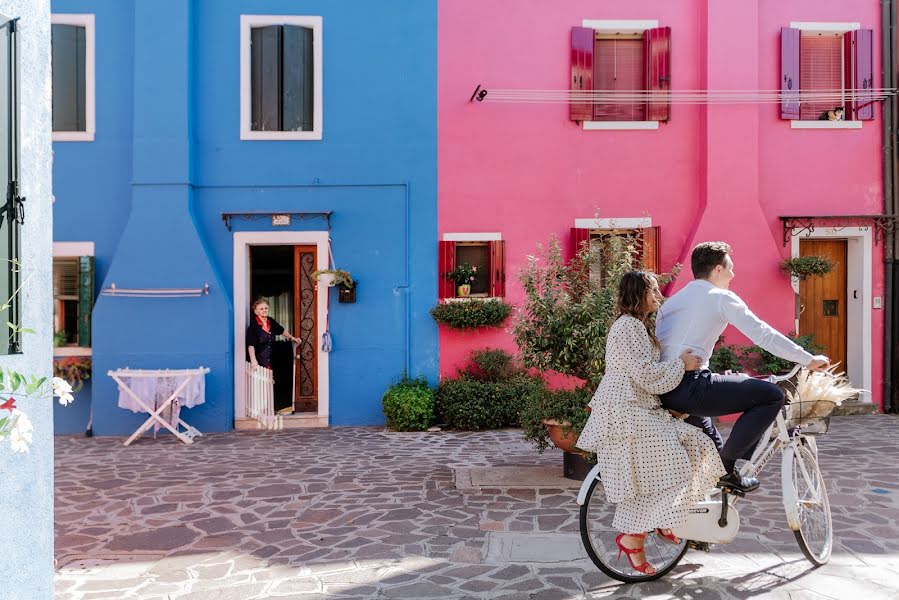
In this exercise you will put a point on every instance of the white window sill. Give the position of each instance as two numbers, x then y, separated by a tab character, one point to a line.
72	351
73	136
468	298
826	124
620	125
283	136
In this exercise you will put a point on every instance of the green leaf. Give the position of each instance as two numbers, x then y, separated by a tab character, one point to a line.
16	380
35	384
26	330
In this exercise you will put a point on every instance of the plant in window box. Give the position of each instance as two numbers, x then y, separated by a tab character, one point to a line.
807	266
472	313
464	275
75	369
332	277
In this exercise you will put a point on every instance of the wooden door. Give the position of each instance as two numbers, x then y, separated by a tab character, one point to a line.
822	300
305	397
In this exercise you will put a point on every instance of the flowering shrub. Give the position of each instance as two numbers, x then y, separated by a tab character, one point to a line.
75	369
16	427
463	274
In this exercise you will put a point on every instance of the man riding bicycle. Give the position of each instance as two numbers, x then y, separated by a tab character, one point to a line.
694	319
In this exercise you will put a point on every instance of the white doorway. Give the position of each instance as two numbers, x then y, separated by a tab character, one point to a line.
242	243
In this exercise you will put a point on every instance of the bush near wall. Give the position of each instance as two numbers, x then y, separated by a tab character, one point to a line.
472	313
409	405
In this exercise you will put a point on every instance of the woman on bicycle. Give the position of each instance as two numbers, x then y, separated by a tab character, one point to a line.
653	465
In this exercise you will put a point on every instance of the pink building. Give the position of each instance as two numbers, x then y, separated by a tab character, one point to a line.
728	164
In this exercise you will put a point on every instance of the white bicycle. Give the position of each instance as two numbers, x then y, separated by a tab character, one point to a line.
716	520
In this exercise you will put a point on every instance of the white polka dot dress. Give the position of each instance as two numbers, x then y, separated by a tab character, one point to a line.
652	465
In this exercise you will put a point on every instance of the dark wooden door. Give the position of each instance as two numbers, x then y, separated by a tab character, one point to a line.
822	300
305	398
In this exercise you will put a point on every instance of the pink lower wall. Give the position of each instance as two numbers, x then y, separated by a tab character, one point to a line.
711	172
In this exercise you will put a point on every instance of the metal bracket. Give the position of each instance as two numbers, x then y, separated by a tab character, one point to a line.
882	224
227	217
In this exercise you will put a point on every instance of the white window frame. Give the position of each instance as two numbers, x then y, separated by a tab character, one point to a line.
825	27
248	22
480	238
624	27
72	250
86	21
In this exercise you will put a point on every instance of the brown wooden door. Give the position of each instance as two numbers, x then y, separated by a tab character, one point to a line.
305	397
822	300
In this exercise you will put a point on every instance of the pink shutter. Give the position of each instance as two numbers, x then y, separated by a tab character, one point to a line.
497	269
859	74
446	259
789	73
657	54
579	237
581	106
650	249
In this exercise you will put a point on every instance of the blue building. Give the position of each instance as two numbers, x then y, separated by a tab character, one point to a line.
228	149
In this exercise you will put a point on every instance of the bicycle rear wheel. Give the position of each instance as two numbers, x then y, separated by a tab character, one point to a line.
806	504
598	537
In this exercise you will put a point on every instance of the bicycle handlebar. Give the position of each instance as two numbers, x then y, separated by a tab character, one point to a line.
778	378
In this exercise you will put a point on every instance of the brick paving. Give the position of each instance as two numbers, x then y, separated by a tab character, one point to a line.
365	513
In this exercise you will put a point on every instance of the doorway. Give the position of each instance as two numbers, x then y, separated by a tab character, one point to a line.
822	300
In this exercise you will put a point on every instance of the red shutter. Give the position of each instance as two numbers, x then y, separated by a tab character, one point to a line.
859	74
579	236
446	260
789	73
650	249
581	105
497	268
657	54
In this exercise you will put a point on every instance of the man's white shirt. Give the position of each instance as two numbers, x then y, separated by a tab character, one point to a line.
696	316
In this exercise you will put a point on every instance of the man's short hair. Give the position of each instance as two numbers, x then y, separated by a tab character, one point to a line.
706	256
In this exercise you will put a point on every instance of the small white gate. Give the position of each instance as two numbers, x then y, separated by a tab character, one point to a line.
260	395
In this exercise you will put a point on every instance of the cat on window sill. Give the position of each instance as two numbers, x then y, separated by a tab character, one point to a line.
832	115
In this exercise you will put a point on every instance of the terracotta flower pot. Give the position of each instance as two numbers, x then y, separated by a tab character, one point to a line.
463	290
562	438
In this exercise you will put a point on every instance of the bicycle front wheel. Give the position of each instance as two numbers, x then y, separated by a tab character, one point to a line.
806	503
598	537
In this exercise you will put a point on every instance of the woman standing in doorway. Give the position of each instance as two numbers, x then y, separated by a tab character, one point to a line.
261	335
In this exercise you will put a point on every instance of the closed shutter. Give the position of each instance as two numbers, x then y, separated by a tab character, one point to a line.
789	73
85	299
581	104
265	78
580	238
859	74
497	268
446	261
649	249
820	74
297	79
657	54
620	69
67	43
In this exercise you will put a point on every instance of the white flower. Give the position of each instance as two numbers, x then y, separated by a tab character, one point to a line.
63	390
21	434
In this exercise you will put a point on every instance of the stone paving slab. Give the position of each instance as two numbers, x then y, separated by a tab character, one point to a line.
364	513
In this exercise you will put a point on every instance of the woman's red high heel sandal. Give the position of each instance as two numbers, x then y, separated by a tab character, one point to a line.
668	537
644	567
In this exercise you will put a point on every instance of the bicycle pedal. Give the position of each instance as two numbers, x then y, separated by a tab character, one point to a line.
731	490
703	546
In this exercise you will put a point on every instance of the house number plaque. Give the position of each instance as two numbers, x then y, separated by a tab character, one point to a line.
280	220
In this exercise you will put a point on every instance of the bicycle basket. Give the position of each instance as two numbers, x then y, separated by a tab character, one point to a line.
812	415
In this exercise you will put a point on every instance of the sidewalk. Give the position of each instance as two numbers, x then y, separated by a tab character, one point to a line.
363	513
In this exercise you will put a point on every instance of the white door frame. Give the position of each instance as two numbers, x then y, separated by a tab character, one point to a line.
859	263
242	242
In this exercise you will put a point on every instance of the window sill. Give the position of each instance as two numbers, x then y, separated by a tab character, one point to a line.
620	125
468	298
73	136
72	351
283	136
825	124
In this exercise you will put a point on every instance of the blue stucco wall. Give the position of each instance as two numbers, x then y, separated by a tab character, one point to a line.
180	163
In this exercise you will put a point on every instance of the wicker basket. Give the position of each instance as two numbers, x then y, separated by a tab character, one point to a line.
812	415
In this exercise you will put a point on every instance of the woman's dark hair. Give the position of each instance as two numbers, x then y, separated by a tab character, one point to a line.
632	297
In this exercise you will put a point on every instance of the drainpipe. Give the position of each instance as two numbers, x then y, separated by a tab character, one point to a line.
889	69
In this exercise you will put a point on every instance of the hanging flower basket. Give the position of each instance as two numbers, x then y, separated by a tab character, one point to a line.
332	277
807	266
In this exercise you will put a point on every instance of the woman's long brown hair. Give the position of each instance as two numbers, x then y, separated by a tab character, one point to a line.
632	298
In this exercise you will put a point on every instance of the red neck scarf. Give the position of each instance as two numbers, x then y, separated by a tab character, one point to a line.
264	323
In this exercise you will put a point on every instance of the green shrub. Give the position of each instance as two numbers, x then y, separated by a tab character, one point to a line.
807	266
472	404
491	364
564	406
763	362
471	313
725	357
409	405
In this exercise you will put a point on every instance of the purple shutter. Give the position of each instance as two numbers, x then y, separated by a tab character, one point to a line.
859	74
581	107
446	260
789	73
657	56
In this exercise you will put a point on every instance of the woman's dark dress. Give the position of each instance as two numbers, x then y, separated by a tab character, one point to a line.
263	341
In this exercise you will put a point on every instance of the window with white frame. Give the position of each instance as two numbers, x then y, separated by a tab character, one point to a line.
280	77
484	253
73	293
73	56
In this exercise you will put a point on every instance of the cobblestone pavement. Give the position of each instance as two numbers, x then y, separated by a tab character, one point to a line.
364	513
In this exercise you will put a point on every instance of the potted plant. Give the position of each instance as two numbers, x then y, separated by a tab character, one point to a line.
464	275
802	267
332	277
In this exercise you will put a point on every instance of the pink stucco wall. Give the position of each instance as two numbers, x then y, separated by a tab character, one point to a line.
716	172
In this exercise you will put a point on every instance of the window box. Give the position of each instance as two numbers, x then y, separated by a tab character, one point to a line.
73	57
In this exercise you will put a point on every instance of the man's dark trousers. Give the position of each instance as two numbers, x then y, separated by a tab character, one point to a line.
702	394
